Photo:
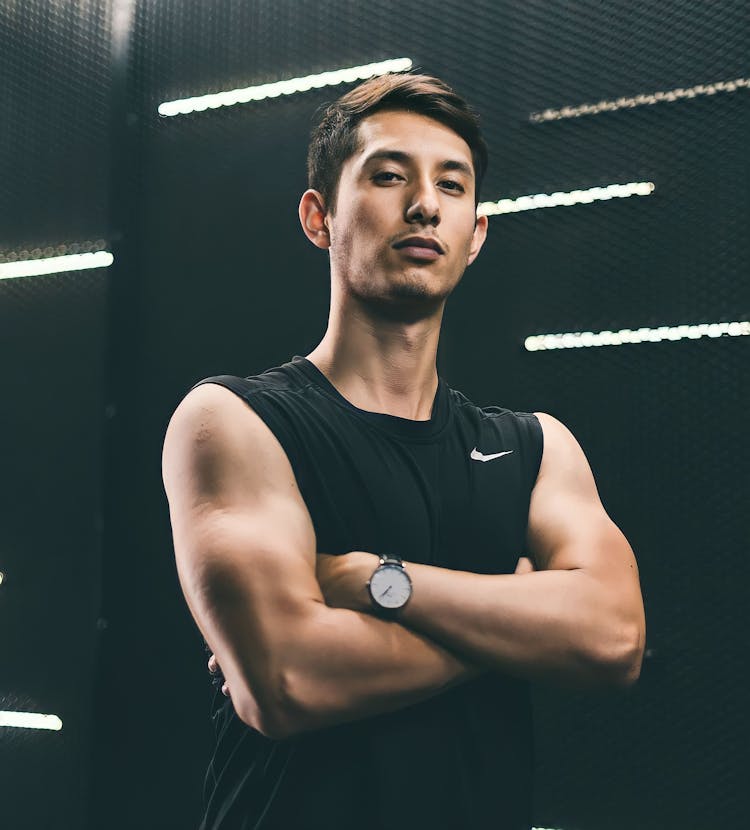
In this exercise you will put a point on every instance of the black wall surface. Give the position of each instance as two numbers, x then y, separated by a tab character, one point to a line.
54	193
213	275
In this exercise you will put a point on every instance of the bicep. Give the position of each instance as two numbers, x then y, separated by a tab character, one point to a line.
243	538
568	526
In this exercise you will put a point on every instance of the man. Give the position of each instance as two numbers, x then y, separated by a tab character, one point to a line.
348	529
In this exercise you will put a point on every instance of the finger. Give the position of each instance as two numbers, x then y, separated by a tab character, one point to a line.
213	666
225	690
524	566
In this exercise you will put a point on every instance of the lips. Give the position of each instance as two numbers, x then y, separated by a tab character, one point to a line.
420	242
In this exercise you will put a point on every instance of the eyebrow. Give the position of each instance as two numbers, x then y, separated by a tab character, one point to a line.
406	158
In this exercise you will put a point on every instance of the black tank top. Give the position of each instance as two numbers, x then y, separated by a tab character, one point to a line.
419	490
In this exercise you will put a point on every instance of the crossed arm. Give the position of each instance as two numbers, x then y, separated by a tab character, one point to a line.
292	629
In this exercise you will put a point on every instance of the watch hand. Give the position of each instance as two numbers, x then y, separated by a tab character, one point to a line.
386	590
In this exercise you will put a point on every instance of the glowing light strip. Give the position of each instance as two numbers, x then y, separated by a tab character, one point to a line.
585	339
288	87
573	197
30	720
55	264
646	99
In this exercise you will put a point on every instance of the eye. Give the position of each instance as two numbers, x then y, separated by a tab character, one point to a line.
458	187
379	176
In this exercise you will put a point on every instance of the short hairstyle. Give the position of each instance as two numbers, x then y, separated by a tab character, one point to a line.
335	139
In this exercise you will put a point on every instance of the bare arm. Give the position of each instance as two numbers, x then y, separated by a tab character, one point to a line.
577	621
246	554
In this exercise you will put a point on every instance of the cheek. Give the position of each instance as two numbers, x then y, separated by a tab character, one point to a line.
357	231
364	218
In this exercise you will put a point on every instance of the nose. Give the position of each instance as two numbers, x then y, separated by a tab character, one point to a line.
424	207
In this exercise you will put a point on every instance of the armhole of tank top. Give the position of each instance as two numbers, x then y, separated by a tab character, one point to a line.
532	436
532	440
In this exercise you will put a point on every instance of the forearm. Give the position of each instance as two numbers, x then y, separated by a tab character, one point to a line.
343	665
556	625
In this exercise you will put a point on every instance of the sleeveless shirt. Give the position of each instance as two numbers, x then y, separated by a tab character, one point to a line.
462	759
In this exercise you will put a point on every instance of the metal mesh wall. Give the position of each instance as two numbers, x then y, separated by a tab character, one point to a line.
54	183
222	280
662	423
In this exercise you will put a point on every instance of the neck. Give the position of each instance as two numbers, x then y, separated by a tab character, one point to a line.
380	361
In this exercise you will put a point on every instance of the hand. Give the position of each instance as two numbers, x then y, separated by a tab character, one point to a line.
524	566
214	668
343	579
254	719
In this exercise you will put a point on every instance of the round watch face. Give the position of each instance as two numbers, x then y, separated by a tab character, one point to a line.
390	586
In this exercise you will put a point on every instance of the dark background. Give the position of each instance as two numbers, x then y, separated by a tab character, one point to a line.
213	275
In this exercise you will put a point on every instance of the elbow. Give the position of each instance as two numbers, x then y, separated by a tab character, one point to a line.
282	722
273	713
622	666
277	727
269	722
277	697
631	665
624	673
291	713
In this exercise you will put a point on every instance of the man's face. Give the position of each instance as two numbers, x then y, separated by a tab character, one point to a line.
411	177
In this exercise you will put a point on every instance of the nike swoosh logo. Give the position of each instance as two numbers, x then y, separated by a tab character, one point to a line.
478	456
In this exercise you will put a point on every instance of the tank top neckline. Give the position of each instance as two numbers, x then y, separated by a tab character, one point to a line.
394	424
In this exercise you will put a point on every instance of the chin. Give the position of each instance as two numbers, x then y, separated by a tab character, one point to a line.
407	303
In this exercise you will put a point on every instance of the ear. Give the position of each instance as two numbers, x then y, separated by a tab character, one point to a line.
478	237
313	218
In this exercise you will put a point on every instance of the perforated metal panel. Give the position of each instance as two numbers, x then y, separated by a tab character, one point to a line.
663	424
227	283
219	278
54	183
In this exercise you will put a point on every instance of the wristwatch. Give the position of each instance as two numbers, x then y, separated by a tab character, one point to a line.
389	586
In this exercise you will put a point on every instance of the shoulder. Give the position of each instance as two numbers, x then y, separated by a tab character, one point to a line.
489	413
214	438
563	458
556	433
210	411
557	436
229	402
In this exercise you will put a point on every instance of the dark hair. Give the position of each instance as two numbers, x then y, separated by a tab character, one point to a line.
336	138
